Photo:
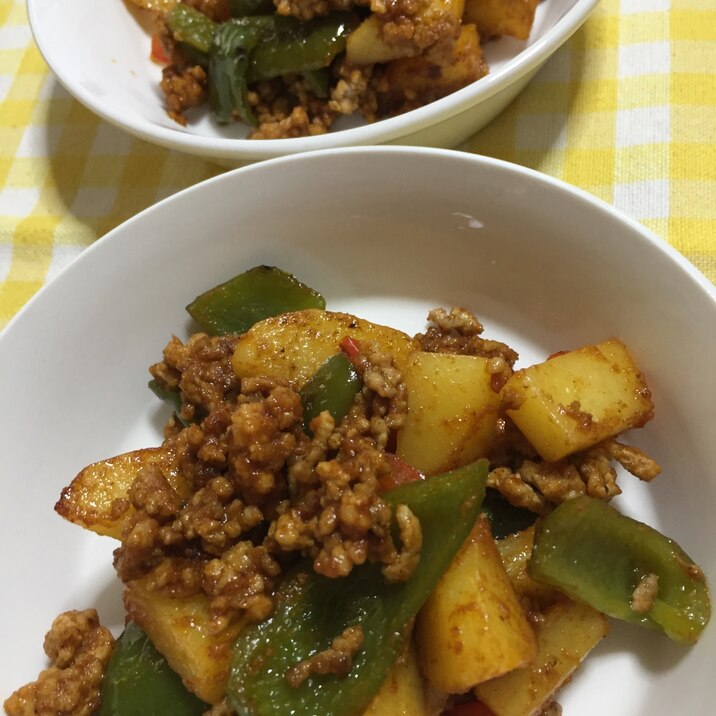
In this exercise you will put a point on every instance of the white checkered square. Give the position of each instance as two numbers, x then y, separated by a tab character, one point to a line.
14	37
634	7
38	141
643	199
5	260
18	202
5	84
645	58
643	125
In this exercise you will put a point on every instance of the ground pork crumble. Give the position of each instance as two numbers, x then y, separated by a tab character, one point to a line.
79	649
336	660
261	492
644	594
538	485
458	331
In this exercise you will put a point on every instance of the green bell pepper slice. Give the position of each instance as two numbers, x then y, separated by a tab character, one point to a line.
246	8
252	47
139	682
170	397
596	555
296	47
263	291
260	292
191	27
332	387
228	68
318	81
311	610
504	518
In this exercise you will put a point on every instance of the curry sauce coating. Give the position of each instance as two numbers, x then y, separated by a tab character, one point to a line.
261	492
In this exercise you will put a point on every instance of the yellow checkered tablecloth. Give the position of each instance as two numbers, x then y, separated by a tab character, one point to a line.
625	110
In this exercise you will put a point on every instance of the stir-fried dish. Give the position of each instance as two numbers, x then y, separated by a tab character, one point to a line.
346	520
290	68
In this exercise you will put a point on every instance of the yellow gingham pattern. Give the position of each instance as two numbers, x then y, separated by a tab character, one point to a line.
625	110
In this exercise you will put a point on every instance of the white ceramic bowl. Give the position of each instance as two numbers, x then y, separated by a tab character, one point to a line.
100	52
386	233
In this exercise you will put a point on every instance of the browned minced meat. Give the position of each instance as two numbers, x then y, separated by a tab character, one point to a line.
261	492
459	332
79	649
538	485
232	462
416	35
220	709
632	459
183	87
384	391
411	537
337	516
297	123
202	370
241	580
354	92
308	9
336	660
397	8
693	570
288	107
217	10
644	594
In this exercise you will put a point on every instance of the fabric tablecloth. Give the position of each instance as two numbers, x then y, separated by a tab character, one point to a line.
626	110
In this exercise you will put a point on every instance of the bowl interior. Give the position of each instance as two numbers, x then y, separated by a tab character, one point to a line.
387	234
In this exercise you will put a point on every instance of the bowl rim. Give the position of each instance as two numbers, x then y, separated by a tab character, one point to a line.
386	130
485	163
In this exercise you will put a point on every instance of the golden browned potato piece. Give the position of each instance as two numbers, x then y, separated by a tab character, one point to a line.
495	18
566	634
452	412
473	627
366	45
89	500
515	551
403	692
579	398
293	345
415	81
179	630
